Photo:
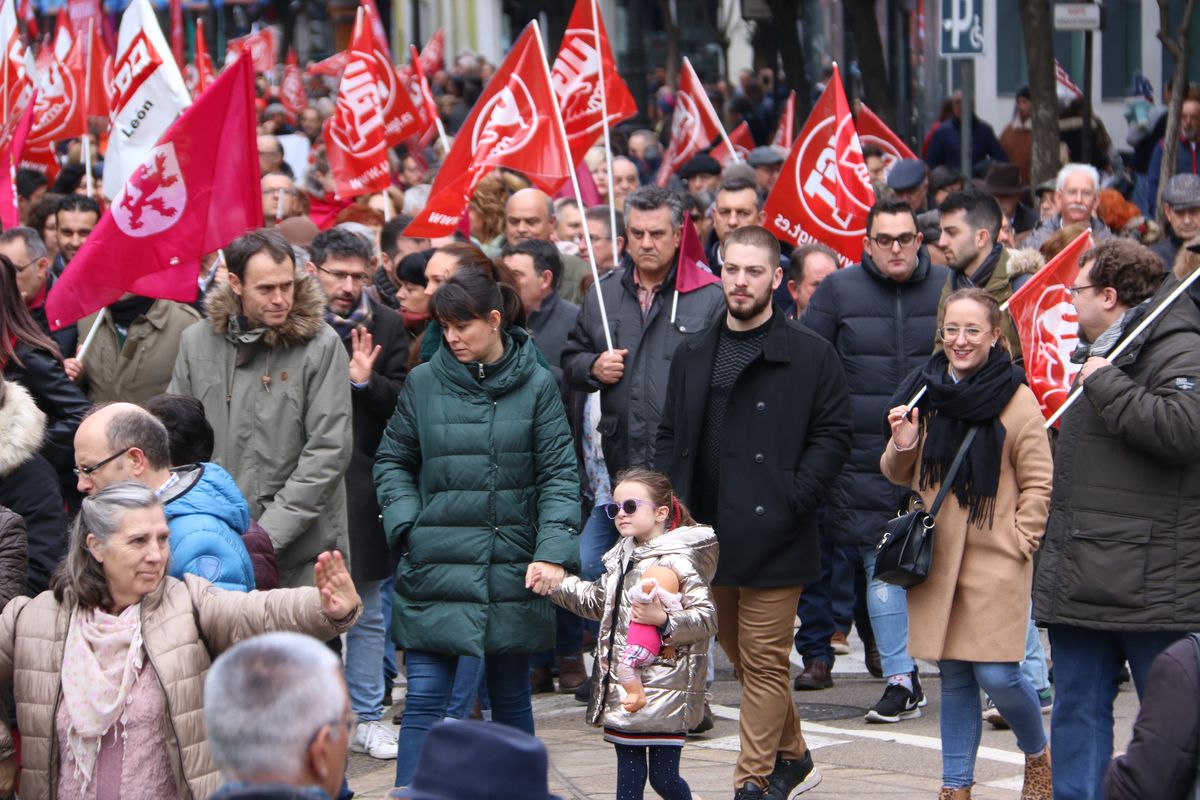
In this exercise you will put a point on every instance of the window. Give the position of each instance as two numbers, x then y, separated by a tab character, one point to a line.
1122	48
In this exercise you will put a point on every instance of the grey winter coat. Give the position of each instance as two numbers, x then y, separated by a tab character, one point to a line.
674	683
280	410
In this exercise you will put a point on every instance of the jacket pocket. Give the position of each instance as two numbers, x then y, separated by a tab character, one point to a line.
1107	563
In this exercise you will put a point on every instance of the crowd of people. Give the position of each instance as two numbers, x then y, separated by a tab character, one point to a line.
480	463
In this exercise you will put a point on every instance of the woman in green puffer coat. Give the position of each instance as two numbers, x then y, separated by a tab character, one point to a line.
479	488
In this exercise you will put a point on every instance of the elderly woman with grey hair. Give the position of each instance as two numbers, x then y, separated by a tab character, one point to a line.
107	666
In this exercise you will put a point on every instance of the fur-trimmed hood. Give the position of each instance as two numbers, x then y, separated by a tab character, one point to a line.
307	316
1024	261
22	426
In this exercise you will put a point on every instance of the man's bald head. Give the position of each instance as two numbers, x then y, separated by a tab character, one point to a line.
529	214
121	441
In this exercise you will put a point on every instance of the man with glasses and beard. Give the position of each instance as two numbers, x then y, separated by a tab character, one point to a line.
754	427
880	316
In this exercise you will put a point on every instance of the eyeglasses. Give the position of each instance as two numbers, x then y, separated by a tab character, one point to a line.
339	276
885	242
89	470
23	267
1074	290
952	332
630	507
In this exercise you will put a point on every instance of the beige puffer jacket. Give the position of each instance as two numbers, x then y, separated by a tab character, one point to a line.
179	619
674	686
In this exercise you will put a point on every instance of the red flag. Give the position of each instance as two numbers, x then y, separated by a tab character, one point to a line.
177	31
331	66
427	111
61	42
10	157
588	189
200	75
189	197
81	11
576	78
87	62
291	90
1066	86
57	113
355	140
1048	325
692	272
377	31
873	130
25	11
743	143
786	127
694	125
513	125
400	116
433	53
262	49
824	192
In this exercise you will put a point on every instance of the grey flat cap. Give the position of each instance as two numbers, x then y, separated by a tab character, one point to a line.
1183	191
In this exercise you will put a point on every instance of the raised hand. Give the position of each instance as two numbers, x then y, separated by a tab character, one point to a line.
904	428
363	352
339	598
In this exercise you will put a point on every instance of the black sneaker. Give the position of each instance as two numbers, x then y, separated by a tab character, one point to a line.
896	704
922	701
791	779
750	792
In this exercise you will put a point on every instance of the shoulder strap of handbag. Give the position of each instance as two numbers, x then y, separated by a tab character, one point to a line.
948	480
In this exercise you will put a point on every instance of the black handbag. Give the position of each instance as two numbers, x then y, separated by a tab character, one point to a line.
904	552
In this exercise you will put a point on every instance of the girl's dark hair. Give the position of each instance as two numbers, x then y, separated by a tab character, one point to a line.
661	494
16	323
189	435
470	294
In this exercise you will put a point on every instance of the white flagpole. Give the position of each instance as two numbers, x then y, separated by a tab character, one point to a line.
1120	348
720	125
387	206
587	236
87	104
612	195
87	341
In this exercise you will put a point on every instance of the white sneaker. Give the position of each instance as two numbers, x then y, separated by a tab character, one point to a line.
375	739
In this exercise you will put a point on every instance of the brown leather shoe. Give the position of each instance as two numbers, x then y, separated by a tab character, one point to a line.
540	681
815	676
570	673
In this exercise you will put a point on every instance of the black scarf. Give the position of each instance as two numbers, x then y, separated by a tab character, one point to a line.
959	279
125	312
948	411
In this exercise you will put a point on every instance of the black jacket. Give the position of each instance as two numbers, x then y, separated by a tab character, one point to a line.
882	330
1120	550
1160	761
786	437
63	403
66	338
370	558
551	325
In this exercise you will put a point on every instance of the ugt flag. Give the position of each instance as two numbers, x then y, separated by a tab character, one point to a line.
576	77
694	125
824	192
189	197
355	136
1048	326
149	93
401	119
513	125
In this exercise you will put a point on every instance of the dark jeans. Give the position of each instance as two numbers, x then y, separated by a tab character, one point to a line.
1086	665
832	603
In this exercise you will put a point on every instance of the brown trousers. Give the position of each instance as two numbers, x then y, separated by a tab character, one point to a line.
754	628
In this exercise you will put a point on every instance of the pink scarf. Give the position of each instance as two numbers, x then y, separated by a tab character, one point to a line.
103	657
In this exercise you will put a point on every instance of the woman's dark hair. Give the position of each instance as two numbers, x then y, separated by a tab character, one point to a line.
46	207
468	256
16	323
661	494
470	294
189	436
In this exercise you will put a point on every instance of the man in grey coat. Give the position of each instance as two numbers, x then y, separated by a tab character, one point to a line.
272	377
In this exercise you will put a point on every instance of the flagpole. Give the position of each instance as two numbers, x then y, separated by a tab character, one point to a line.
720	125
87	105
1128	340
87	341
387	206
612	195
587	236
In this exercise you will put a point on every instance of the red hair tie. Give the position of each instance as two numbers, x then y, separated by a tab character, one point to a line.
677	514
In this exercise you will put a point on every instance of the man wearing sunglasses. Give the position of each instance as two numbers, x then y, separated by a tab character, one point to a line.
880	315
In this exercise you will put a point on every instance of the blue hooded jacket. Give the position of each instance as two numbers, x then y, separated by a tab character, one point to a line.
207	516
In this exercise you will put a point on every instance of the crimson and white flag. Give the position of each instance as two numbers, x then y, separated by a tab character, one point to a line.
149	93
1048	326
199	75
873	130
786	127
694	125
331	66
262	44
513	125
1066	86
291	89
18	72
824	192
422	98
743	142
576	77
355	136
11	152
57	112
400	116
189	197
62	34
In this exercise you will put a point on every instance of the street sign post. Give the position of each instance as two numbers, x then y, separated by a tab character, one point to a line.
961	24
1078	17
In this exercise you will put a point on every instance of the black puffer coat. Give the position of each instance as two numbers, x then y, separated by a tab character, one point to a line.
881	330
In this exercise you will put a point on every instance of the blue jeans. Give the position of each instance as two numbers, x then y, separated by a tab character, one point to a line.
828	605
430	676
364	654
390	670
598	536
1086	665
469	684
961	718
889	619
1034	665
